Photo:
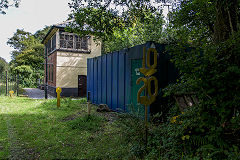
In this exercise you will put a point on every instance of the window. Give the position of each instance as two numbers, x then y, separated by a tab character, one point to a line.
78	42
51	44
54	42
73	42
50	72
62	41
66	41
81	42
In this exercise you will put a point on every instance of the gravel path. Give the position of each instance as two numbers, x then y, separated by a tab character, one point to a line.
36	93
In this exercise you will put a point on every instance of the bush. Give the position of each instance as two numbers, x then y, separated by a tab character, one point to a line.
209	129
212	73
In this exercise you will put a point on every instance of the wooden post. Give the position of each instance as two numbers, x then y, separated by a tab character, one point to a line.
58	100
88	104
18	85
6	83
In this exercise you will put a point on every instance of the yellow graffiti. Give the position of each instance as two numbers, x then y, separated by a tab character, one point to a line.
142	99
150	50
150	88
58	90
149	97
151	68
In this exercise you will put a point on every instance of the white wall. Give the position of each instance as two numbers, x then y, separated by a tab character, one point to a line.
70	65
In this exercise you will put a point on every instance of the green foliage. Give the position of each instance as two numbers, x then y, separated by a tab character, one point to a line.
133	131
87	123
5	4
40	34
3	65
21	40
28	56
143	30
185	138
100	23
196	18
118	24
210	70
25	75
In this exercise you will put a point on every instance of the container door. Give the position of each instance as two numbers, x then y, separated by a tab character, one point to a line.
82	81
135	107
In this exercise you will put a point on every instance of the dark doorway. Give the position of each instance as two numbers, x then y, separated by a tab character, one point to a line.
82	85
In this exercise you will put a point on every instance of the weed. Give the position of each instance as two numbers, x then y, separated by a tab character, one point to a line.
87	123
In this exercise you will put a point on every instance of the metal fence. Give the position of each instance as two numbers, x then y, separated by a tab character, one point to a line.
9	82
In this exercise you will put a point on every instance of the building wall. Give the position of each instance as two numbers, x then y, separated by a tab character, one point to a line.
52	60
70	65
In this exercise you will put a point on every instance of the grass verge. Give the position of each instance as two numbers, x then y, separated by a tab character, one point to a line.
43	131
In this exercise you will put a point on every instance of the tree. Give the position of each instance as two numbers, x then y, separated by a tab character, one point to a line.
210	69
216	19
28	57
151	29
21	40
117	23
4	4
3	65
40	34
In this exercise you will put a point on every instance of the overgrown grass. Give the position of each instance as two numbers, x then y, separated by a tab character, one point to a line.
43	131
37	129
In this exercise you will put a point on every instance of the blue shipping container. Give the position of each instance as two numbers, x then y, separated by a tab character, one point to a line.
112	77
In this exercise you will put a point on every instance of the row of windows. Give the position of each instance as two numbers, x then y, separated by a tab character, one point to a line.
51	44
72	41
68	41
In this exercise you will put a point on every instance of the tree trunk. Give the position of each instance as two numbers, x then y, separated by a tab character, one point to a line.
226	20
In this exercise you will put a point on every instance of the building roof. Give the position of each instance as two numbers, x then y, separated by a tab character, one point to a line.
62	25
54	28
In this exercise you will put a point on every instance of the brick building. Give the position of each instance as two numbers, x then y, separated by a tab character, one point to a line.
67	55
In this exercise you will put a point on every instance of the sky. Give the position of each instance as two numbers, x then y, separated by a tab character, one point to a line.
32	15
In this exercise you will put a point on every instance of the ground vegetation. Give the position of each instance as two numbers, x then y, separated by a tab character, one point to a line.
203	38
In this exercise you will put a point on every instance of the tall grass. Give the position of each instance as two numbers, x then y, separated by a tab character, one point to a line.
44	131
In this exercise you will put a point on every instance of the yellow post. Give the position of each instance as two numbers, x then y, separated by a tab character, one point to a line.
146	125
11	93
58	90
89	108
149	97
